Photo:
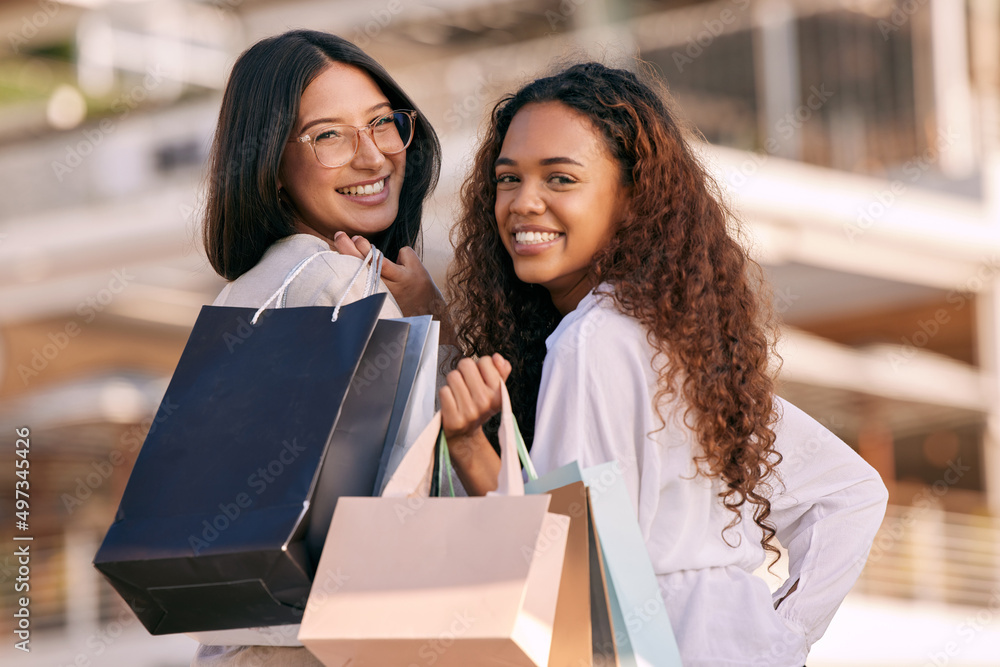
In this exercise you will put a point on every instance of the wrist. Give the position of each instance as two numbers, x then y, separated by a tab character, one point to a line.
477	465
465	447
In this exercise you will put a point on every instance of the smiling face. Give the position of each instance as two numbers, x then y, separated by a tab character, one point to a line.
559	199
324	205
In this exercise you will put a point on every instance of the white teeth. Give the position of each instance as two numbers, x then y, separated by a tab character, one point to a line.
370	189
530	238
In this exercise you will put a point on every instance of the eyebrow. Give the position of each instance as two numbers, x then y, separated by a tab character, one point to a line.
340	120
507	162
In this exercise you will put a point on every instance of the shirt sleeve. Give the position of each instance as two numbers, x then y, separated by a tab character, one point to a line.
827	507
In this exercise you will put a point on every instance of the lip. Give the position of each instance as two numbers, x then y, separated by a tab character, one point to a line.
367	200
368	182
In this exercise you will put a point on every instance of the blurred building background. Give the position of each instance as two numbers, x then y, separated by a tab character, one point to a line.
859	140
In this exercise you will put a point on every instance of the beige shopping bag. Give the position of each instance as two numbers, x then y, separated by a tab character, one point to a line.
452	582
571	633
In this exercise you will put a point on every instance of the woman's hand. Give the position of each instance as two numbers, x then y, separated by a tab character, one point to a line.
472	394
408	280
471	397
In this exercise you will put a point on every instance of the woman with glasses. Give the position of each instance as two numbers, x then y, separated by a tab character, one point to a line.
316	149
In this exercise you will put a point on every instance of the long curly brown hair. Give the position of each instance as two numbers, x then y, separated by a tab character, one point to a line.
673	264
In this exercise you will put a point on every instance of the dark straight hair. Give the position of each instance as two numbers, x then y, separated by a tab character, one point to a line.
243	213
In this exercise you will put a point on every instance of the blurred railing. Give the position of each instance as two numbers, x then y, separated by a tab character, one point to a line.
923	553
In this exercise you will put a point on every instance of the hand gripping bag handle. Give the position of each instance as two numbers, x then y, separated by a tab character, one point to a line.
412	476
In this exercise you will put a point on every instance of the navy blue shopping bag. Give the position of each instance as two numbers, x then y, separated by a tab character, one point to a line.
260	424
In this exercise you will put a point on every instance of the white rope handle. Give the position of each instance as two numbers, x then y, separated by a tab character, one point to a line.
373	256
371	285
296	270
370	257
288	281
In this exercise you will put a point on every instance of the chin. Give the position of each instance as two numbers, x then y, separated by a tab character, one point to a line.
375	229
529	277
376	225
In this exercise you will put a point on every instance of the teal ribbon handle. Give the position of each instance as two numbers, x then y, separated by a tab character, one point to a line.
522	453
444	467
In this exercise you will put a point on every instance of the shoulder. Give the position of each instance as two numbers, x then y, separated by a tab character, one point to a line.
600	351
289	254
325	273
268	273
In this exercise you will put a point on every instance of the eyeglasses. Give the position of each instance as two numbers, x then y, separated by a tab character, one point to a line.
335	145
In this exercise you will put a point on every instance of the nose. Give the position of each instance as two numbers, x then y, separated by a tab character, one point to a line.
368	156
527	201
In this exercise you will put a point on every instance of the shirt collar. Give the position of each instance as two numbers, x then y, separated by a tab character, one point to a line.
586	304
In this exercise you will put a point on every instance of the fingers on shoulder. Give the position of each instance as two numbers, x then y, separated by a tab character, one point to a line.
343	244
362	245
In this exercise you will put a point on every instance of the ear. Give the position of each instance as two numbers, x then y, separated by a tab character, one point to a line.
279	173
282	192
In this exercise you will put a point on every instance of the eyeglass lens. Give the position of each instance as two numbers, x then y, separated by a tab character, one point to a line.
336	144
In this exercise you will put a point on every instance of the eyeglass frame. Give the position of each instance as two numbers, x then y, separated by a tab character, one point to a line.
358	129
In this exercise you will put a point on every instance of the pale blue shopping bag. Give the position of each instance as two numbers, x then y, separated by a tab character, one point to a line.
642	633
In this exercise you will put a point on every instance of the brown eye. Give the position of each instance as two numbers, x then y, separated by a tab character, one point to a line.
328	134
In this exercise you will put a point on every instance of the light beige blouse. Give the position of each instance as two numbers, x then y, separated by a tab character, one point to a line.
321	283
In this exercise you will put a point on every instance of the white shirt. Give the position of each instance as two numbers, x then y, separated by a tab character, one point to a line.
595	405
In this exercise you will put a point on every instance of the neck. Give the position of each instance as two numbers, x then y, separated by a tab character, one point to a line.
566	300
303	228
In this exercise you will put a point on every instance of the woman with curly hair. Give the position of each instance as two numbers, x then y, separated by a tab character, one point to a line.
594	253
